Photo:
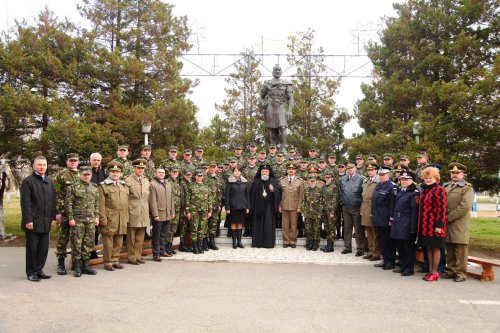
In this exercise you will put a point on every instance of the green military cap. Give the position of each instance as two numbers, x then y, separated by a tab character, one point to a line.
238	146
212	163
220	165
146	147
332	155
204	165
173	169
272	146
403	158
292	150
322	158
115	166
350	165
199	148
291	166
262	151
280	154
421	154
123	147
188	151
312	177
199	172
387	156
252	156
72	156
233	160
372	158
359	157
86	170
252	144
341	165
226	163
302	160
371	166
173	148
457	167
187	172
312	149
140	163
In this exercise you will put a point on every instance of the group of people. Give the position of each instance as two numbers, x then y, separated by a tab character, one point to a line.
389	207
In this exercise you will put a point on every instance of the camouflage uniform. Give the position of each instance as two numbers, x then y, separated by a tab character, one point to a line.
187	165
312	208
418	172
82	205
198	204
127	166
177	194
149	173
198	162
216	185
279	170
63	180
168	163
330	195
302	174
184	222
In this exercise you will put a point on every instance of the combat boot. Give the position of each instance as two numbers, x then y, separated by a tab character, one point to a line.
233	234
195	247
86	268
328	247
308	244
172	251
77	272
61	270
315	245
205	244
239	239
183	247
212	243
200	246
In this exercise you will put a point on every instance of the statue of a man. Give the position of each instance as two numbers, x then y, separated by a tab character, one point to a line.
276	98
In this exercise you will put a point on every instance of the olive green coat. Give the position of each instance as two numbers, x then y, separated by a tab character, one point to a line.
113	207
138	205
366	200
460	198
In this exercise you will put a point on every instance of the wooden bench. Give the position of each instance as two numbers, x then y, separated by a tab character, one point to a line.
487	274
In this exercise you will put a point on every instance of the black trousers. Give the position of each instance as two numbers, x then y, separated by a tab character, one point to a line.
160	233
406	250
387	245
37	249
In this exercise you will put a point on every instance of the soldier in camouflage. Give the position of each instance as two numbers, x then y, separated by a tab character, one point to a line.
313	157
271	156
360	165
122	154
240	159
177	195
198	209
184	183
198	159
331	198
171	161
262	158
302	171
63	180
422	163
150	165
249	174
187	163
82	210
216	184
312	208
279	167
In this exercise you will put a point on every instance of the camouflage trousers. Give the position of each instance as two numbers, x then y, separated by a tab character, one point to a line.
313	228
82	239
213	221
184	227
174	224
198	224
329	224
63	231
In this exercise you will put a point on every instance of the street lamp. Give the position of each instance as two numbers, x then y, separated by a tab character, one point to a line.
417	131
146	129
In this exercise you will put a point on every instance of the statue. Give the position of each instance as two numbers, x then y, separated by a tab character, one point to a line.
276	98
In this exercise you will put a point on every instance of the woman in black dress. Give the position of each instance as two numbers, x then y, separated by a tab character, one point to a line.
237	204
265	196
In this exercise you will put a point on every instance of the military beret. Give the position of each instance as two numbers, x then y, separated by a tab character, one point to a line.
291	166
383	170
407	174
359	157
350	165
403	157
72	156
115	166
457	167
123	147
146	147
140	163
86	170
173	148
188	151
199	148
371	166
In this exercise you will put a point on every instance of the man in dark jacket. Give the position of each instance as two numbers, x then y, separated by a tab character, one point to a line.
351	187
38	207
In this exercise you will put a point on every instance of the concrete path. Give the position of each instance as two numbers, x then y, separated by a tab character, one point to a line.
188	296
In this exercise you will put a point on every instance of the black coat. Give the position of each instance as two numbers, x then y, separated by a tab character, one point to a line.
405	217
383	203
264	211
38	203
236	194
351	190
98	175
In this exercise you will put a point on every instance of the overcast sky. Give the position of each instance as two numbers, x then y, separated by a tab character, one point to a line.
232	26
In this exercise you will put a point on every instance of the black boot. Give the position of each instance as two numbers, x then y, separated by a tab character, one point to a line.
211	244
171	248
93	255
301	233
308	244
205	244
61	270
328	247
183	247
195	247
246	233
315	246
239	239
229	233
200	246
233	234
76	268
86	268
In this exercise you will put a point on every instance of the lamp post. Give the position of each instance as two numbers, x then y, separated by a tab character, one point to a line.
146	129
417	131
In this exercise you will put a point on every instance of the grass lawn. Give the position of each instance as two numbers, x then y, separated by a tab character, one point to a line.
12	215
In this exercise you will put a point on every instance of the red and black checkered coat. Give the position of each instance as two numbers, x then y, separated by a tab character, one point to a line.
432	210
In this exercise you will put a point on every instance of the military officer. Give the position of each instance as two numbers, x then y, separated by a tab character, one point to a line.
122	154
261	159
240	159
150	165
252	149
184	183
198	210
331	198
332	162
279	168
422	163
187	163
63	180
171	161
459	197
216	185
312	209
82	209
360	165
113	215
198	159
302	171
271	156
177	196
313	157
351	188
388	160
292	195
369	185
404	161
138	186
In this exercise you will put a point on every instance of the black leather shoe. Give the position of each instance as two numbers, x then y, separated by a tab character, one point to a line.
368	256
388	267
293	246
359	253
423	270
42	275
459	279
374	258
397	270
285	246
405	273
346	251
380	264
33	278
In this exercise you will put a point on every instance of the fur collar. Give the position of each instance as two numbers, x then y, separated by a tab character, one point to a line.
232	179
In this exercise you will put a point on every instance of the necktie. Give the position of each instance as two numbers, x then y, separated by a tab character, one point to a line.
290	180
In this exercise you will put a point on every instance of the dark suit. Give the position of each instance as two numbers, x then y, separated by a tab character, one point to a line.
382	211
38	205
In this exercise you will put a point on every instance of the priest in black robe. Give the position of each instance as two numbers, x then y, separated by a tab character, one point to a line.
265	196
